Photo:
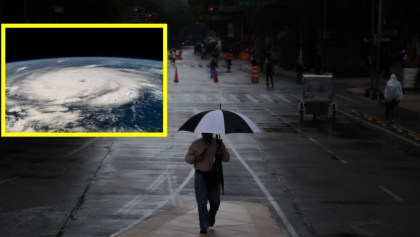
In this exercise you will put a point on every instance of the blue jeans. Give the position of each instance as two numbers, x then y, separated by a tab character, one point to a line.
212	69
207	188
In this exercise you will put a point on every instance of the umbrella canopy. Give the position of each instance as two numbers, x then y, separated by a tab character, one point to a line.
220	122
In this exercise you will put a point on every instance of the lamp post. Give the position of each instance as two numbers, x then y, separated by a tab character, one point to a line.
378	52
324	37
377	41
375	62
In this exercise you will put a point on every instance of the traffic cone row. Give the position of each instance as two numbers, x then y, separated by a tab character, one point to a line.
176	79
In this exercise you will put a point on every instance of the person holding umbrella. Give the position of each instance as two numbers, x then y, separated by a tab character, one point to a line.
206	154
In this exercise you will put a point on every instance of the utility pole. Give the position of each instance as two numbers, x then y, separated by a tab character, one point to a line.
378	40
324	38
370	92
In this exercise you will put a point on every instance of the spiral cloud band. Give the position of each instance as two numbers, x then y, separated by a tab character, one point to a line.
78	95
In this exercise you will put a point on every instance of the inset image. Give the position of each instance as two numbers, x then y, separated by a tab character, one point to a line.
84	80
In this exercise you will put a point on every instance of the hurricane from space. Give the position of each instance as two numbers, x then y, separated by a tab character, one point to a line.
84	95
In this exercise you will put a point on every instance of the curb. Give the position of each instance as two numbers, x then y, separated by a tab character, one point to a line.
397	130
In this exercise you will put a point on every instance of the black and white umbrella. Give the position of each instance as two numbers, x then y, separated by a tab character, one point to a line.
220	122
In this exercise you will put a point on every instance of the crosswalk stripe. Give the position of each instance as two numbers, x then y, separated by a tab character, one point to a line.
283	98
267	97
252	98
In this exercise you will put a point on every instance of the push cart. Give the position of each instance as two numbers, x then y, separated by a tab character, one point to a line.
317	96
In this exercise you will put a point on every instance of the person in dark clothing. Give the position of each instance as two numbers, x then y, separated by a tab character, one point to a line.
228	58
203	154
213	65
269	72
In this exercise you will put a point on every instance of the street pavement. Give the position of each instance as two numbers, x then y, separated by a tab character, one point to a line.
351	177
182	223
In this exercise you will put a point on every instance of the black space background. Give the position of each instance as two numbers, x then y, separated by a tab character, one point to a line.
38	43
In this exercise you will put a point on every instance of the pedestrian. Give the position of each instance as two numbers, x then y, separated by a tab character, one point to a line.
228	58
213	65
393	94
269	72
172	55
205	153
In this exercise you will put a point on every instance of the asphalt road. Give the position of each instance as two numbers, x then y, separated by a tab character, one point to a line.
318	177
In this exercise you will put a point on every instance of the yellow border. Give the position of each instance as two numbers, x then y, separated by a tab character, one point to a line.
4	133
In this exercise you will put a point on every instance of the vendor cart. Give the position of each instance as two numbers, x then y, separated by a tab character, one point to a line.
317	96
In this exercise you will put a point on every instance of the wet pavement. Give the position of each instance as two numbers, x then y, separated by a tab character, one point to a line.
183	220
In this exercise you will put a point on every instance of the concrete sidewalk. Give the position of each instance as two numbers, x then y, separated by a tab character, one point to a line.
234	219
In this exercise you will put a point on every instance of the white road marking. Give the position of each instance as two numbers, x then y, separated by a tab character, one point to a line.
326	149
296	97
340	159
312	140
267	97
81	147
283	98
390	193
163	203
252	98
7	180
291	230
235	99
139	198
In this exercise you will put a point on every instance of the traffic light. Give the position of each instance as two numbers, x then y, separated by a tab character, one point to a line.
149	17
137	10
212	9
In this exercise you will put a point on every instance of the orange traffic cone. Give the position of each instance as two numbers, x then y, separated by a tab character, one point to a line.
176	75
216	78
255	74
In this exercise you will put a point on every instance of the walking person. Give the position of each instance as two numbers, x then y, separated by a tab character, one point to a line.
269	72
205	153
213	65
228	58
393	94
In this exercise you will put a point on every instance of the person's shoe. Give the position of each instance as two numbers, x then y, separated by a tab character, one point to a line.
212	221
203	231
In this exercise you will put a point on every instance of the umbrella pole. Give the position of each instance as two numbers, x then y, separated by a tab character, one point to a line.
219	164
